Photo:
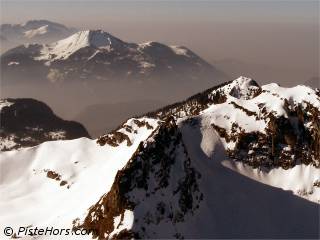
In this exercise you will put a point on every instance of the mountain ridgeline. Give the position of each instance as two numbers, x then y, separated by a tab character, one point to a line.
163	185
284	129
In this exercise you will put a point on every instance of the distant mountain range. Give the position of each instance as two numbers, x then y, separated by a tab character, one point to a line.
33	31
95	55
238	160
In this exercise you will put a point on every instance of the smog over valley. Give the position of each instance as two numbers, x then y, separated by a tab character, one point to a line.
159	119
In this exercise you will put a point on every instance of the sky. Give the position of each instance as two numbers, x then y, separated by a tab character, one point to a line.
276	36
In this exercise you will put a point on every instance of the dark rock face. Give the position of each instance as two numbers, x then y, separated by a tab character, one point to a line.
152	174
28	122
287	141
115	137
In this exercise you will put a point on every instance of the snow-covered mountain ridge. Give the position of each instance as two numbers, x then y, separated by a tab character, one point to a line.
263	126
173	174
102	41
83	169
97	55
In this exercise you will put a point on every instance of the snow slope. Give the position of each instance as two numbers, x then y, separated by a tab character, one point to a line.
241	207
66	47
87	169
300	179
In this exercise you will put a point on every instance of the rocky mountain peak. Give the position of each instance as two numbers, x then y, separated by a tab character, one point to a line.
242	88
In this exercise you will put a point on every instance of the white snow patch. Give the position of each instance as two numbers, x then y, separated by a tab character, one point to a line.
126	223
4	103
13	63
145	64
57	135
180	50
38	31
7	142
